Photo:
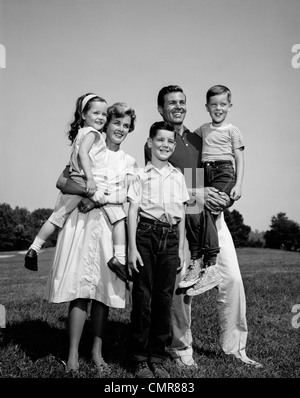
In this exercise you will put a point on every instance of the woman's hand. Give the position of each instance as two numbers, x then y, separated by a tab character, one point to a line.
86	205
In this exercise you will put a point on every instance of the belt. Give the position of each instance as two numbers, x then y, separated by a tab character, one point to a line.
216	163
157	223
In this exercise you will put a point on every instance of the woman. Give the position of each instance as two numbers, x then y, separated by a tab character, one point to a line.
84	246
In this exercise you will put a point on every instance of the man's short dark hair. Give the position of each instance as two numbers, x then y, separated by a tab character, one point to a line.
167	90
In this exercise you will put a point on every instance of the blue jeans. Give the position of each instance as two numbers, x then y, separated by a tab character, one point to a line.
153	288
201	228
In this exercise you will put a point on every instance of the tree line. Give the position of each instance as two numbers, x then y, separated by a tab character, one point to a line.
18	228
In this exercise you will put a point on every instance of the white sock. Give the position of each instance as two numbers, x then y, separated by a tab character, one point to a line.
120	253
37	244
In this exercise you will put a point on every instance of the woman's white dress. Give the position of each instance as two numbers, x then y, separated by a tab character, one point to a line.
84	246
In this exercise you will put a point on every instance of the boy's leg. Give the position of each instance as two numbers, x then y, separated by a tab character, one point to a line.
192	225
209	238
221	177
140	317
210	276
164	277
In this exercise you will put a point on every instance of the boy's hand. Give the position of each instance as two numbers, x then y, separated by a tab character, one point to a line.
181	260
134	257
236	192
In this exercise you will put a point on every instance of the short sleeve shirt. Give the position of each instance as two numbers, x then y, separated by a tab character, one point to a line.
160	193
219	143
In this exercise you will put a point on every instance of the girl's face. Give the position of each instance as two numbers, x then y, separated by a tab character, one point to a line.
117	130
218	107
96	116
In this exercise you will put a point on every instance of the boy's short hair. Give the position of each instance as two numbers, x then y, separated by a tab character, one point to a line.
167	90
161	126
216	90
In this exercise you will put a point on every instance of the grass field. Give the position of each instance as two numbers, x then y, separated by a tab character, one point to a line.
35	341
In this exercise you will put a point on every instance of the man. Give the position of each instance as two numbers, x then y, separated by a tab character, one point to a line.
231	296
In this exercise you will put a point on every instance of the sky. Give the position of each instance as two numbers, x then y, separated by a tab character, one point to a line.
52	52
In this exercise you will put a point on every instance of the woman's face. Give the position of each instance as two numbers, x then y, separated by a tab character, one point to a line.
117	130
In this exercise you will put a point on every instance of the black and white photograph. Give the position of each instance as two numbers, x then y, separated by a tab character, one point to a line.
149	196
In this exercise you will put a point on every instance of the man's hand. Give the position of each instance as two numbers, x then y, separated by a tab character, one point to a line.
216	201
86	205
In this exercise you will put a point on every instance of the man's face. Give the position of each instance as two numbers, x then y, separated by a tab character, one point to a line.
174	108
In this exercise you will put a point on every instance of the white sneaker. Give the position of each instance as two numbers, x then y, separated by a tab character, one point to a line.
192	275
210	278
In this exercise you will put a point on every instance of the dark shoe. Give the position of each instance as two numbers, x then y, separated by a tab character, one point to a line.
120	269
143	372
31	260
159	371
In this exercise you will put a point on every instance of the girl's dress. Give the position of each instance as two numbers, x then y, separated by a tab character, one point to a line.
84	247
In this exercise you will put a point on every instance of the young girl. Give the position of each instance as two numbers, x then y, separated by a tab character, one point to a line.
88	169
79	273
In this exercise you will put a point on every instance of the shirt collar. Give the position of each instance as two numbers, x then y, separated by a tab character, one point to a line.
149	166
